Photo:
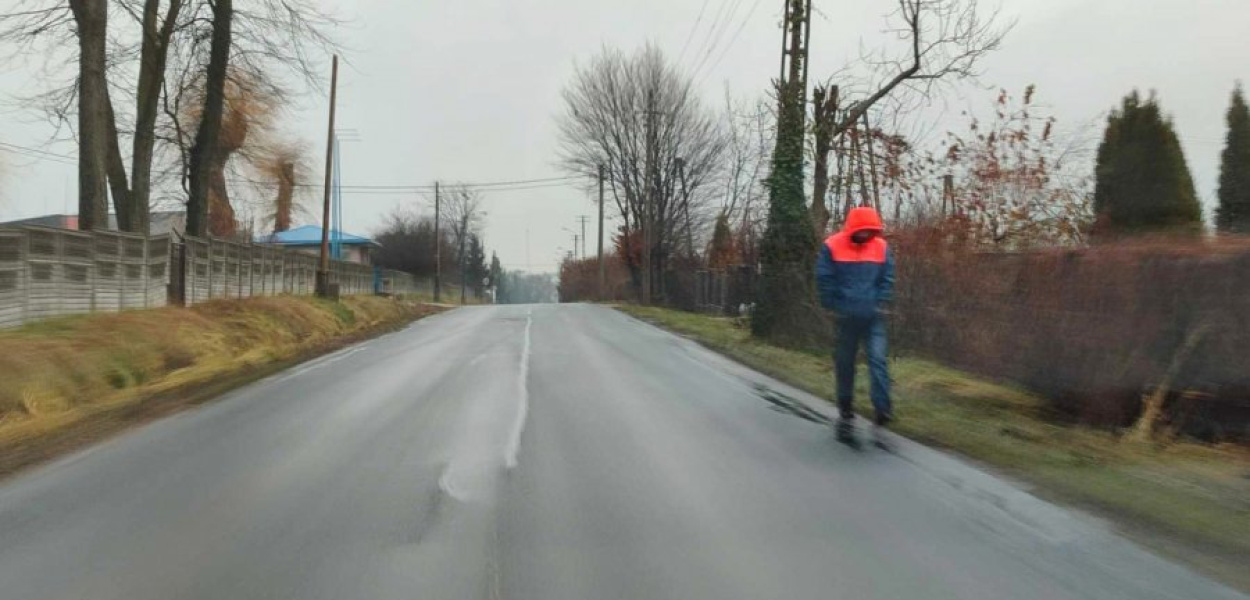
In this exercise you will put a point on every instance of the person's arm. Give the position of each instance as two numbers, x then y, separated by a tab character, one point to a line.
826	278
885	282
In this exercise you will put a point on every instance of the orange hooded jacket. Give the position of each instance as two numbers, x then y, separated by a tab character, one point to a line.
855	280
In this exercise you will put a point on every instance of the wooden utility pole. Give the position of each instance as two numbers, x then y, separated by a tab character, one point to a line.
438	247
948	195
464	238
649	198
685	201
582	220
872	165
602	270
323	269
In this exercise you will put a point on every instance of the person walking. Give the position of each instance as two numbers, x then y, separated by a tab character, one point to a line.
855	278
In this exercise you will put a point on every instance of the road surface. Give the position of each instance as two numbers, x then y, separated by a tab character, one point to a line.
539	453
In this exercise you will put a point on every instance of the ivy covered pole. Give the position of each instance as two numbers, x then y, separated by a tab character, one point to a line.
788	249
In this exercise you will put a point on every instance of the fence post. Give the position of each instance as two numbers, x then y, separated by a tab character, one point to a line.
24	275
177	288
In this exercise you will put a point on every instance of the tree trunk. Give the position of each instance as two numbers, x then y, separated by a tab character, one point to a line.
286	191
872	165
91	17
1152	403
840	187
204	151
858	153
221	222
826	107
152	60
116	170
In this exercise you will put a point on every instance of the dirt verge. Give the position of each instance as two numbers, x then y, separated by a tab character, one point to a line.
68	384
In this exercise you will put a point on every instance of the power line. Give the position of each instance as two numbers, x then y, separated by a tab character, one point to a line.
693	29
732	40
38	154
718	35
409	191
713	25
482	186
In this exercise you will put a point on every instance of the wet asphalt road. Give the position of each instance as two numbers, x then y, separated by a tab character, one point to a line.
539	453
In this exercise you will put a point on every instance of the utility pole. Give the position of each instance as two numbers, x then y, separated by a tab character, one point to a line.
685	202
602	272
573	252
582	219
795	41
438	248
948	195
464	236
649	198
323	270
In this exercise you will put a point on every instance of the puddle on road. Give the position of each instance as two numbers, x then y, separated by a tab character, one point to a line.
783	403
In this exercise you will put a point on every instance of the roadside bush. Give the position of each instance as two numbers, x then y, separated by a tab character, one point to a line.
1094	330
579	281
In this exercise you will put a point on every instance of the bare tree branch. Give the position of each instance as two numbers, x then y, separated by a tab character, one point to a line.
637	116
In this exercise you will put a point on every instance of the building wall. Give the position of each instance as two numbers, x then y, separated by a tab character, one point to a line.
353	254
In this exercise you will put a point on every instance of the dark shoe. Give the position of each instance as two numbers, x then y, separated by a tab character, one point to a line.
880	438
884	420
846	433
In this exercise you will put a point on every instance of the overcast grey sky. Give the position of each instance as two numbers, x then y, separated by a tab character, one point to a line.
469	89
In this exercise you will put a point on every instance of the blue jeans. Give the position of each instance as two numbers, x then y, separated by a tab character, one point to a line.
851	332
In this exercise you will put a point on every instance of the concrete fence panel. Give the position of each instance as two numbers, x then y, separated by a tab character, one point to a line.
13	286
47	272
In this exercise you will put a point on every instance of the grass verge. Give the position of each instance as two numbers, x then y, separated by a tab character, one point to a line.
67	383
1189	501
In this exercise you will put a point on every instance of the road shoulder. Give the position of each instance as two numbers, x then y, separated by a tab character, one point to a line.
1185	501
128	375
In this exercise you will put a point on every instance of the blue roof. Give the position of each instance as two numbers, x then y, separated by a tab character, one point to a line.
310	235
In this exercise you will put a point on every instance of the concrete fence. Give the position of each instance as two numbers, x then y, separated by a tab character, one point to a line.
46	272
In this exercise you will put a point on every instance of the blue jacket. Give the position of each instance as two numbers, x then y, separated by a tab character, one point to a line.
855	280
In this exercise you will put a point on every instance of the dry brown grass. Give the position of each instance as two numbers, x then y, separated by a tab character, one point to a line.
58	372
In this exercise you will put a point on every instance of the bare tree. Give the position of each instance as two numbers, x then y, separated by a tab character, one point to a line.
133	201
39	28
46	28
204	151
1016	185
662	150
152	42
265	36
750	129
247	131
825	105
945	41
282	164
91	19
462	207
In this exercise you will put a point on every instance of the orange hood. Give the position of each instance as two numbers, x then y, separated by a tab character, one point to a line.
862	218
